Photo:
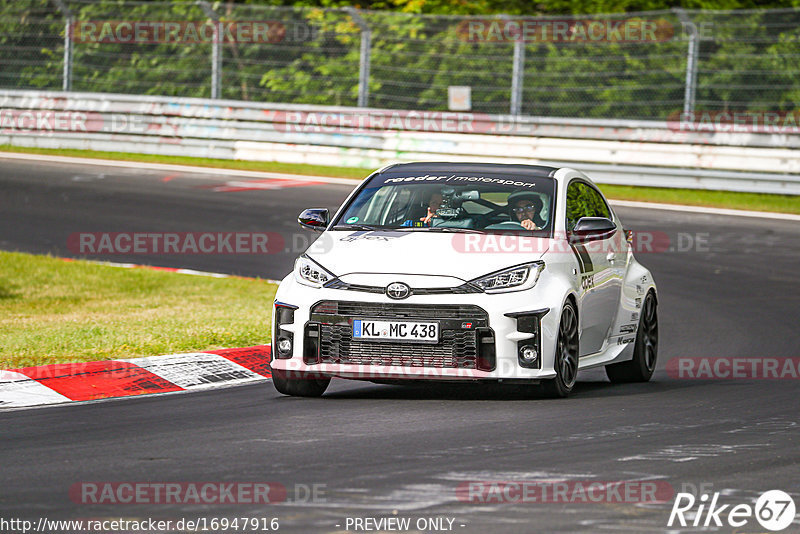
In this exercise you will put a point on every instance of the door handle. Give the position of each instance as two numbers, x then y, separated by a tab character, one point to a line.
611	257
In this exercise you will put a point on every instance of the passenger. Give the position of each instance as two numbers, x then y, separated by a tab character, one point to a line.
433	204
526	208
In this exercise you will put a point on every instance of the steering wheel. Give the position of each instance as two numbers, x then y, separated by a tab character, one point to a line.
503	210
505	225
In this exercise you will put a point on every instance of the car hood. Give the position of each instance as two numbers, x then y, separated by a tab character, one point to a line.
464	256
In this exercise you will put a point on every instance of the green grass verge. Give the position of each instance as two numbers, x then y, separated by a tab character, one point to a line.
52	311
691	197
699	197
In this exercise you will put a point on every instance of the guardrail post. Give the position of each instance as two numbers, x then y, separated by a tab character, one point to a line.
691	60
66	83
216	50
365	56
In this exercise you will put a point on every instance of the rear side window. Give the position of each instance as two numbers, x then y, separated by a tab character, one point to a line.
584	201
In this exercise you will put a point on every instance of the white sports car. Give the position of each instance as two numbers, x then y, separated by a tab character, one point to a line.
465	272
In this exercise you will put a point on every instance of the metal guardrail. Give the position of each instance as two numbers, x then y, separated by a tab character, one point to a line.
644	153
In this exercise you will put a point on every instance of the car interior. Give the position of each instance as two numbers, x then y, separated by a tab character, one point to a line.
475	207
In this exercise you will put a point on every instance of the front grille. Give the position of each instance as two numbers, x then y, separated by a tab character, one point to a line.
457	348
377	310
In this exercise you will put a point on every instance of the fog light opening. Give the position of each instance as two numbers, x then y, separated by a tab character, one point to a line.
528	354
284	345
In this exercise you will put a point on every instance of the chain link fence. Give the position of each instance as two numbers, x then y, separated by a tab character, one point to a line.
648	65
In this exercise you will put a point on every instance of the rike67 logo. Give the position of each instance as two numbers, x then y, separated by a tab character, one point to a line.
774	510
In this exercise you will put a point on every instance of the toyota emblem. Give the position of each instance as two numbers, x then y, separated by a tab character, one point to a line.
398	290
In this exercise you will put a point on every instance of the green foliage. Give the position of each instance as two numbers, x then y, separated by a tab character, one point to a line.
748	60
526	7
583	201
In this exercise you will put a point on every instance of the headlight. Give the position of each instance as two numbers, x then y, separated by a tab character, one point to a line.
517	278
311	273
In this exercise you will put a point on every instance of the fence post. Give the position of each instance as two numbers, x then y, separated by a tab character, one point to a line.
364	58
66	84
517	68
216	50
517	76
691	61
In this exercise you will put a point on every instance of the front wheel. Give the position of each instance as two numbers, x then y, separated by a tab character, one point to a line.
565	362
645	351
300	384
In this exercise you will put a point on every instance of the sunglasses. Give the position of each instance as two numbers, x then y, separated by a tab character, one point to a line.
523	209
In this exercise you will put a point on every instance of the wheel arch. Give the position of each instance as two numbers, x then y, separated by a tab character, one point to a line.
574	300
654	292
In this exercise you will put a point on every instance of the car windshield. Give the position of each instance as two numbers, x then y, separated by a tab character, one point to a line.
496	203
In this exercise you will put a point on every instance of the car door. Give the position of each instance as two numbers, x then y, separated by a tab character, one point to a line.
600	282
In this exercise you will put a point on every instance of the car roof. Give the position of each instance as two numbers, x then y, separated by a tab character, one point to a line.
483	168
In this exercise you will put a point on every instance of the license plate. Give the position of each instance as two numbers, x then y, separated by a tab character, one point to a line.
371	330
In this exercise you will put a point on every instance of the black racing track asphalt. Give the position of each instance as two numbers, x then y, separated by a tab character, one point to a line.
377	451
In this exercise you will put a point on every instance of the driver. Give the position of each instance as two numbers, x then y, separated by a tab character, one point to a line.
526	207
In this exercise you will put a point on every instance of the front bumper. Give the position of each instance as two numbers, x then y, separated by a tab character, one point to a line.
481	335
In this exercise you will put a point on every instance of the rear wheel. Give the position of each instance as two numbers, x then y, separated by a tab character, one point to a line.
565	362
299	384
645	351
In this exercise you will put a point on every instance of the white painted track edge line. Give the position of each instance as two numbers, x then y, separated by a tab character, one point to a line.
173	270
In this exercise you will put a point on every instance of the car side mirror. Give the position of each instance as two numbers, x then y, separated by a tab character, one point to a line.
314	219
590	228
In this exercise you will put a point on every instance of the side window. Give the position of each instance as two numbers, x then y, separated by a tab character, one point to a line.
599	207
576	207
584	201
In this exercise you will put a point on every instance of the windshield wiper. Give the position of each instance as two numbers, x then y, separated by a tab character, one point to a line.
355	227
455	230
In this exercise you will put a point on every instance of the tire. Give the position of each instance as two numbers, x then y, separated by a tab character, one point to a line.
645	351
565	361
301	385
